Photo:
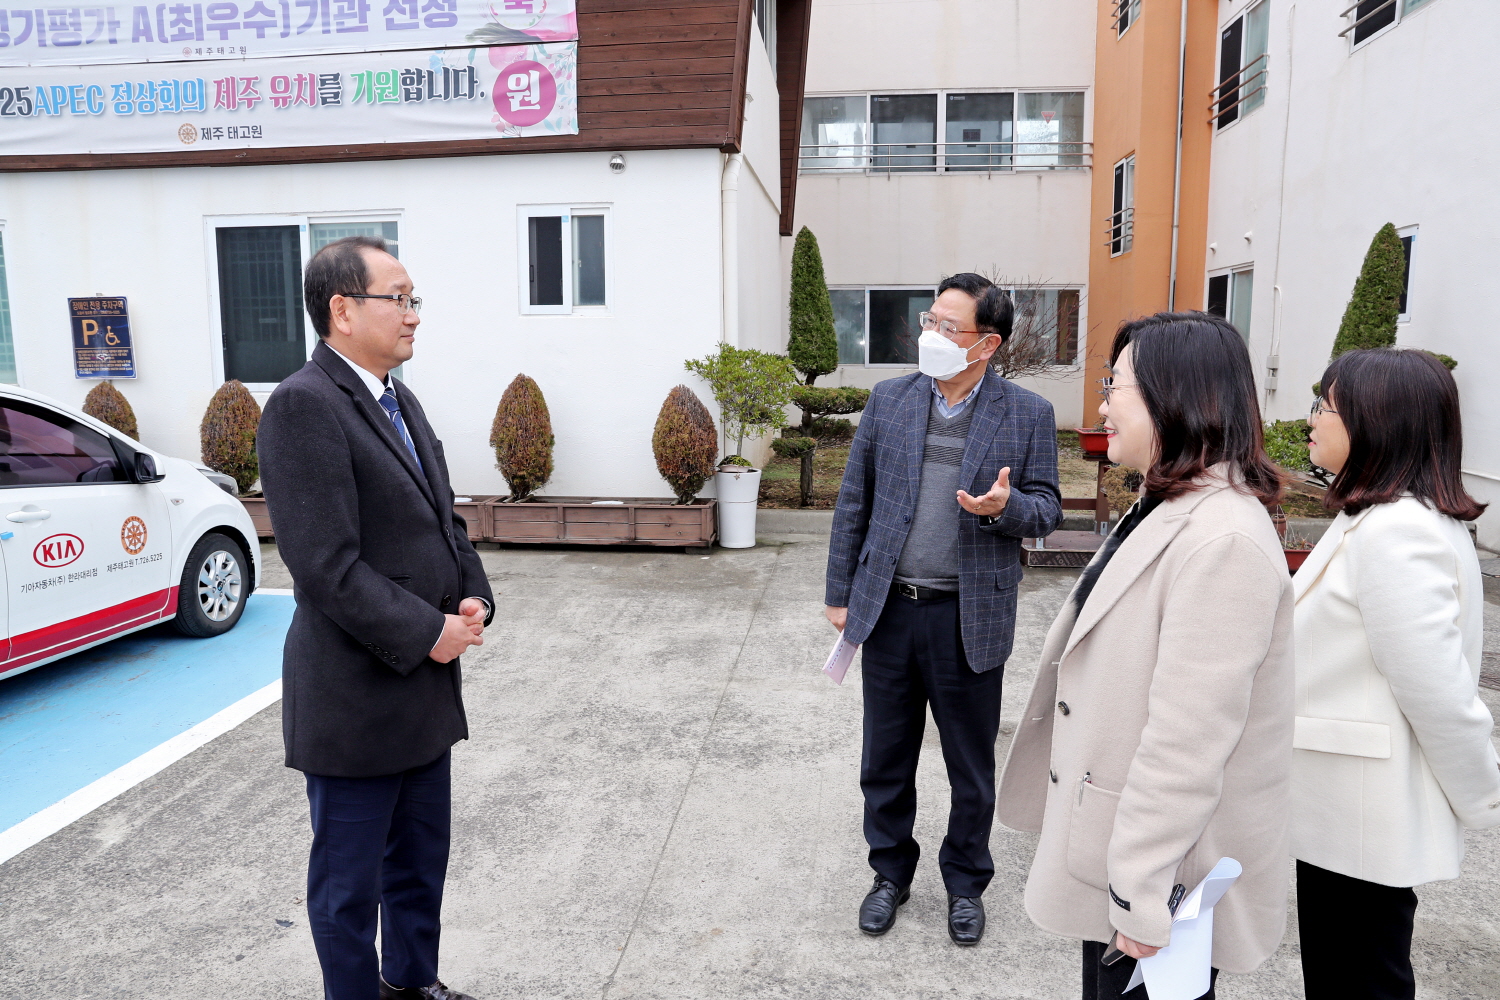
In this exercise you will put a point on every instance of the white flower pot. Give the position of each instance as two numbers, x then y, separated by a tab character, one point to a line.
739	491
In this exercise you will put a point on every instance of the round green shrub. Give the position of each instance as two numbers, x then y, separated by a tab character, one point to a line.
227	434
685	443
1286	444
108	405
794	447
522	438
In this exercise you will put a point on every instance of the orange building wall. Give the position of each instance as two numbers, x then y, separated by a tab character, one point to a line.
1135	111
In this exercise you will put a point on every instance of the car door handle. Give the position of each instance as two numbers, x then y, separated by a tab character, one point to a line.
22	516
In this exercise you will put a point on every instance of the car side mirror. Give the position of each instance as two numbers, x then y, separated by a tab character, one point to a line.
145	469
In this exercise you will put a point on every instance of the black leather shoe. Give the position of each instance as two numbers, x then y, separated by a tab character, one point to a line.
965	919
877	914
437	991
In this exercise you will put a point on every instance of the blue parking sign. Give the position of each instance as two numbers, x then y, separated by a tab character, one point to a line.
101	338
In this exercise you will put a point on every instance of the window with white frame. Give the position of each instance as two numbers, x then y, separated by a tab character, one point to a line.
1408	244
1243	59
1120	224
765	19
1126	13
1368	18
1229	297
943	132
264	331
564	250
879	327
7	344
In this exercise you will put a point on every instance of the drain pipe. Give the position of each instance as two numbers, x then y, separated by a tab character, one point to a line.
1177	175
729	230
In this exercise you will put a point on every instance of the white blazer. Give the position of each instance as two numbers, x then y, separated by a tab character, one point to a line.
1392	755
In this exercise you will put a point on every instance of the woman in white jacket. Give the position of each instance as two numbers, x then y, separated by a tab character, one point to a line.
1393	757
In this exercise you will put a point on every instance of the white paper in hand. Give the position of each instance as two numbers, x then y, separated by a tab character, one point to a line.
1180	971
839	660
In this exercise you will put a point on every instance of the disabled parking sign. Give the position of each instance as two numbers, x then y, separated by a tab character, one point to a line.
101	338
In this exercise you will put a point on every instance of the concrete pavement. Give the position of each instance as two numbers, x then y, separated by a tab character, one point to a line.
660	800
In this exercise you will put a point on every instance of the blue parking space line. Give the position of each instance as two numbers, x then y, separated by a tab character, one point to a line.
68	723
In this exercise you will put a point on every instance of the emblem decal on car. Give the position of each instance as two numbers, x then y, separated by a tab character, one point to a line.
133	535
58	550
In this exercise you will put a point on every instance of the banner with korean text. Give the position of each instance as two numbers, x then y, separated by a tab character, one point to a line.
248	29
433	96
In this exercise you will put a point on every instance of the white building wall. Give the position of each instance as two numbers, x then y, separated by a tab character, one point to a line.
911	229
141	233
1393	131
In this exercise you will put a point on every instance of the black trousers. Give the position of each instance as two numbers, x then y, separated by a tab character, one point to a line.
912	659
380	848
1108	982
1356	937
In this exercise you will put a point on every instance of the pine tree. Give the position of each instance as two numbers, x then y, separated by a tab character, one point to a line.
813	347
108	405
522	438
685	443
1370	318
227	434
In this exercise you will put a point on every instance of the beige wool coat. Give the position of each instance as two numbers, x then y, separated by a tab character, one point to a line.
1158	736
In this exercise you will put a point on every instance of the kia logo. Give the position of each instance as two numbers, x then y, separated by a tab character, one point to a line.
58	550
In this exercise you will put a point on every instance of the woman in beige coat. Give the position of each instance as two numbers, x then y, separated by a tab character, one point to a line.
1393	756
1157	739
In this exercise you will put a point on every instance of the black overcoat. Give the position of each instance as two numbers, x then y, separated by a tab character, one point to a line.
377	557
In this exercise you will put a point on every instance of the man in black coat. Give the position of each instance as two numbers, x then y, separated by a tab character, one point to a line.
389	593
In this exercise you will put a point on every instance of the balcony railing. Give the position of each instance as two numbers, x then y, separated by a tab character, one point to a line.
1238	88
1119	231
945	157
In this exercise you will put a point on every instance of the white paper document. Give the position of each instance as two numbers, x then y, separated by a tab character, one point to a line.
1180	970
839	660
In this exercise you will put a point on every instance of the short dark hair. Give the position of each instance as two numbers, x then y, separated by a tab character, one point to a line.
1400	407
337	269
993	309
1194	374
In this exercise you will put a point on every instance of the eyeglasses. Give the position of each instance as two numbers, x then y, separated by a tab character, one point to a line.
1318	409
406	302
1107	387
946	327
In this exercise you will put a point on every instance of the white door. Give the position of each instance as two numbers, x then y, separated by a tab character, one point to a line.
87	553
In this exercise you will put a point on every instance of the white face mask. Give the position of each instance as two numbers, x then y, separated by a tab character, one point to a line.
940	357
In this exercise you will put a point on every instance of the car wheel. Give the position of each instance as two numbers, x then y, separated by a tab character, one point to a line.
215	582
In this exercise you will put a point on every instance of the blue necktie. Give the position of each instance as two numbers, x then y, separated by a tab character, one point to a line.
393	408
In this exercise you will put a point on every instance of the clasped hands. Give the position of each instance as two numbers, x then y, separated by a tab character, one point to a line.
460	631
992	504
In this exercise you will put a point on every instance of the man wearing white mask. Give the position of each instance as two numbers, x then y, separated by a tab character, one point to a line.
951	467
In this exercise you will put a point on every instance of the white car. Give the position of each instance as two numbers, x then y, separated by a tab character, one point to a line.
102	536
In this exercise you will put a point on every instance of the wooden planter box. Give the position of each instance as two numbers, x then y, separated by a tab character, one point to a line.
579	521
473	511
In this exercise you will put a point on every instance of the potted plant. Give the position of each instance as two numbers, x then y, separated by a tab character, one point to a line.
1093	441
227	439
108	405
1296	549
685	443
752	389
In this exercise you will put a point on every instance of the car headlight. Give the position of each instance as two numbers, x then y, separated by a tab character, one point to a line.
223	482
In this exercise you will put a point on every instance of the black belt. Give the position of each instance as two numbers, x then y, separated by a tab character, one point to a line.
912	592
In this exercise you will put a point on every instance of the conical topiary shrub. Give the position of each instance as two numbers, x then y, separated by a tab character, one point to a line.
108	405
685	443
1370	318
227	434
522	438
813	345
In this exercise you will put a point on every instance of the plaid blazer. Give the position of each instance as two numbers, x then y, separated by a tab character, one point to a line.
1012	427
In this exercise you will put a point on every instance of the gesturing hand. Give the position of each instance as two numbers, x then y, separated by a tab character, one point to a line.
460	632
993	502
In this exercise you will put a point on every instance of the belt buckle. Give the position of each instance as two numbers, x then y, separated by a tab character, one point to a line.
908	590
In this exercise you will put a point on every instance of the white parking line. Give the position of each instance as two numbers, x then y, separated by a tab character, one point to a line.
39	826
